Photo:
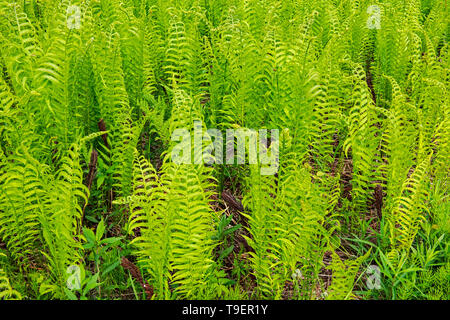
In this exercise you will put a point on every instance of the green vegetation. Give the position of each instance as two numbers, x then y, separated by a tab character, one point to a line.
92	206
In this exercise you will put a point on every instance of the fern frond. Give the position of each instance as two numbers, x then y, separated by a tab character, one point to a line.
344	273
410	208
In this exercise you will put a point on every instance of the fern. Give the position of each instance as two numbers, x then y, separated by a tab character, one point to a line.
173	212
409	210
62	223
21	198
90	114
6	291
287	231
344	273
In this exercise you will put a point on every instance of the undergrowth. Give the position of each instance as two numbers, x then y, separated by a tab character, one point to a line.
93	206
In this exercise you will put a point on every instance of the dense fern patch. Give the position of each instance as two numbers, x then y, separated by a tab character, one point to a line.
93	204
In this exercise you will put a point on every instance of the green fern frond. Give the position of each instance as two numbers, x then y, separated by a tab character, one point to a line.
410	208
344	273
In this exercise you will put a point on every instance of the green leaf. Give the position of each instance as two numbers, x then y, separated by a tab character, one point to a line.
226	252
111	240
89	234
111	267
70	294
91	284
100	181
100	230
